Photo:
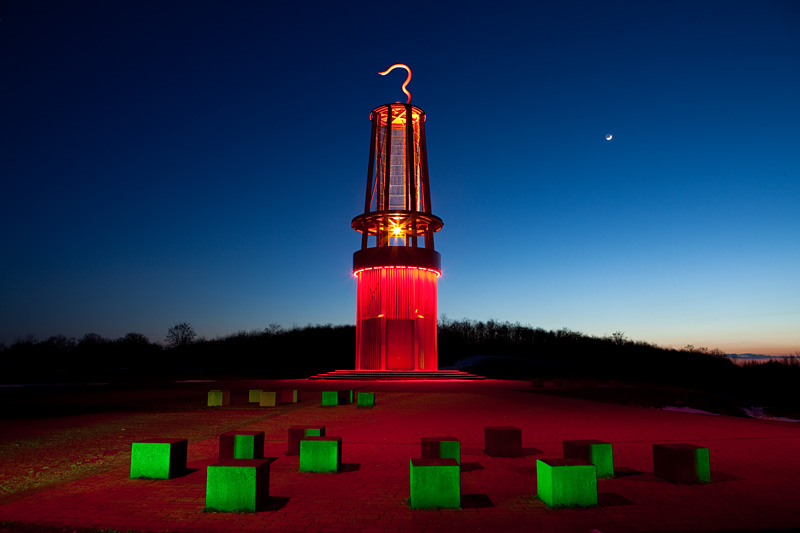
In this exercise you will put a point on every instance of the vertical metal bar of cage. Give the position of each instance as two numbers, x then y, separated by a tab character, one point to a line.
423	168
373	140
411	203
387	139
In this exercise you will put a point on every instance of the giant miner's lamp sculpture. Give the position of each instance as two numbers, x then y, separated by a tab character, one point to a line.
397	266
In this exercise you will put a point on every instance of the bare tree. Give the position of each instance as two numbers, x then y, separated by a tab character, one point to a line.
180	335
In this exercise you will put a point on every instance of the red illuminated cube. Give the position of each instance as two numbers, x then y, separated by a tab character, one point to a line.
290	396
346	397
681	463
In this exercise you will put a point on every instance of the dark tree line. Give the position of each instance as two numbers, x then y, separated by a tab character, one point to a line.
66	359
512	350
537	352
274	352
519	351
261	354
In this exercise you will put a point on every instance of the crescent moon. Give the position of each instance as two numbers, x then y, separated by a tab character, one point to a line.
609	137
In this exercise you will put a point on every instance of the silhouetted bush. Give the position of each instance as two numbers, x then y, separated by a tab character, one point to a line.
93	358
772	384
274	352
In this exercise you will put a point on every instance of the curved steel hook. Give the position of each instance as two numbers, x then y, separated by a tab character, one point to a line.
408	79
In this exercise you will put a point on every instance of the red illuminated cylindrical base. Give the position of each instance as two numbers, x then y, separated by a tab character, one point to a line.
396	319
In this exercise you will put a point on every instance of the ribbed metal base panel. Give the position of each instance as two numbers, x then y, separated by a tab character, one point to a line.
397	375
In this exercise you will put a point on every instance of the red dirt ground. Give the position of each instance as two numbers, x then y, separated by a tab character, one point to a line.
72	471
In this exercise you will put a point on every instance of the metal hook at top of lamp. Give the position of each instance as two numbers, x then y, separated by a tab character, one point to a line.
408	78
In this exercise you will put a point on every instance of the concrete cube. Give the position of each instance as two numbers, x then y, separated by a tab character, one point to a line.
298	433
158	458
268	399
330	397
290	396
566	482
441	448
346	397
682	463
237	485
241	445
503	441
435	483
321	454
596	452
366	399
219	398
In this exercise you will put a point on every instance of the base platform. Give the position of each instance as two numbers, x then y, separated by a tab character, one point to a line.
397	375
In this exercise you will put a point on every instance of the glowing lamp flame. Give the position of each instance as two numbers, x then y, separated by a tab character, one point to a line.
396	230
408	79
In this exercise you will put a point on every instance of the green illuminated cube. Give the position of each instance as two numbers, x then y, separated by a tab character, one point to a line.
290	396
441	448
254	396
320	454
218	398
597	452
435	483
298	433
158	458
238	485
366	399
682	463
566	482
330	397
241	445
268	399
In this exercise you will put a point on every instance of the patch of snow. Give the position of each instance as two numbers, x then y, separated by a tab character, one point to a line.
688	410
758	412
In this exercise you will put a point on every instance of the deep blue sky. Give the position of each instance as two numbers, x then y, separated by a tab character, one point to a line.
201	161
